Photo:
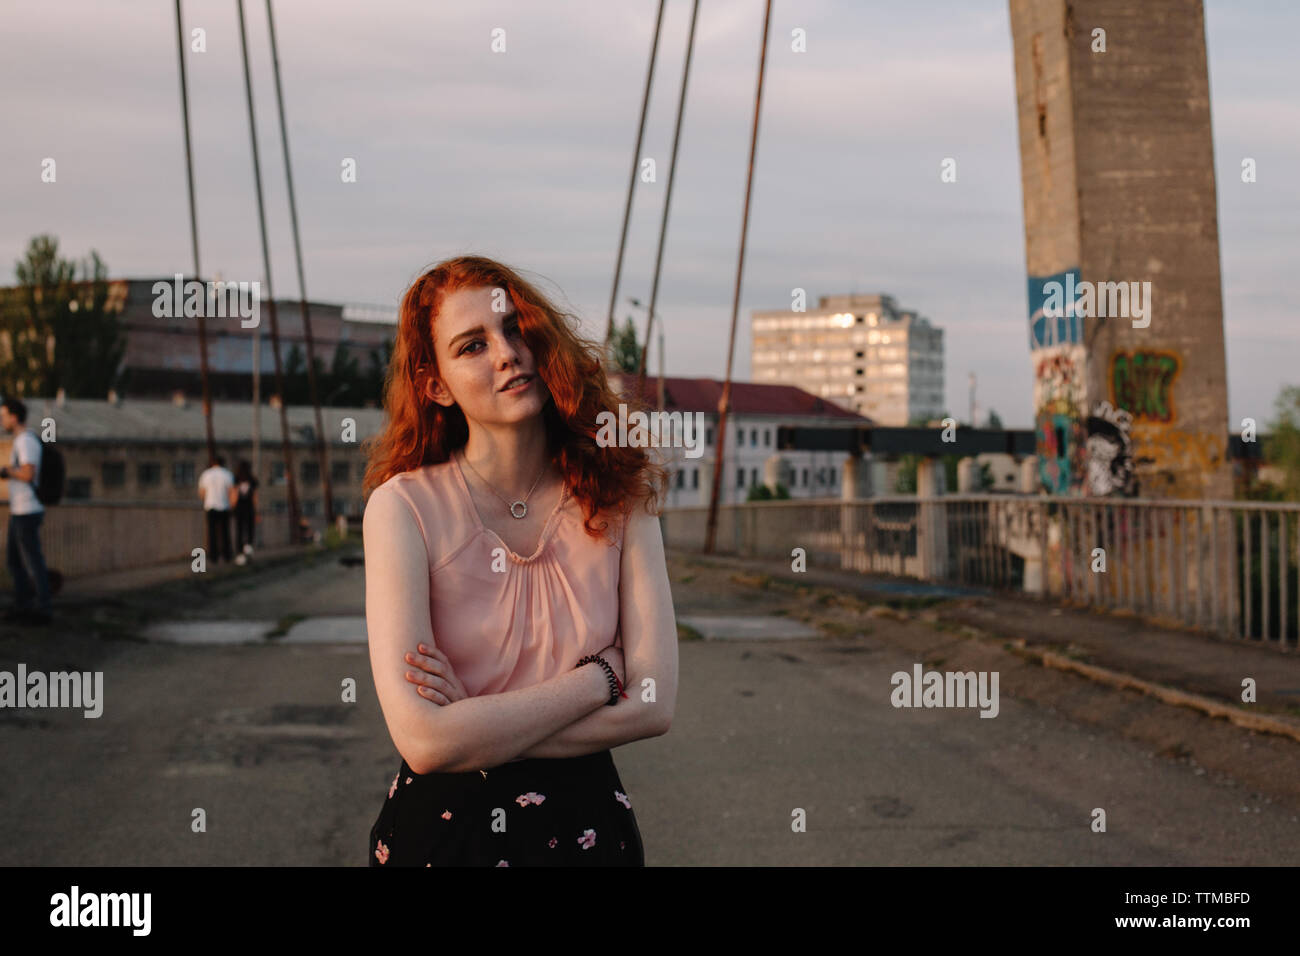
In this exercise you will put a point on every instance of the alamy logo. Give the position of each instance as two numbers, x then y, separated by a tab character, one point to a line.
1123	300
102	909
212	300
946	689
60	689
652	429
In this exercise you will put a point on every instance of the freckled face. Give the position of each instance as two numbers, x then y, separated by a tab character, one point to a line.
479	351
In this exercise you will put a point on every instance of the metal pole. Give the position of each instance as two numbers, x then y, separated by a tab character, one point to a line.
194	238
286	448
321	453
724	402
258	471
661	369
668	196
631	184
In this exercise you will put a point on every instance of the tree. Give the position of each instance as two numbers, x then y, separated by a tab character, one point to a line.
294	375
627	352
57	331
905	481
994	420
343	384
1281	449
764	493
908	466
372	382
923	421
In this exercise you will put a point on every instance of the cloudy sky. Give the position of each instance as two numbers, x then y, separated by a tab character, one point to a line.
524	156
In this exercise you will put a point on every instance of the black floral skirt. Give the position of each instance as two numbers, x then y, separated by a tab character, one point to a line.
569	811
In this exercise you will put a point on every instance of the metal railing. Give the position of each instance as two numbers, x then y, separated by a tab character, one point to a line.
1227	567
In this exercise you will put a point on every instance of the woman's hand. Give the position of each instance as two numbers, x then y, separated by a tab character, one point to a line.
435	680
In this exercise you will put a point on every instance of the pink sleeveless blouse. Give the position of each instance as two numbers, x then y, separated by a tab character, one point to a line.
537	616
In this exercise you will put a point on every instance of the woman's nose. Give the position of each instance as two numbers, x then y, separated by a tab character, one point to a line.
507	352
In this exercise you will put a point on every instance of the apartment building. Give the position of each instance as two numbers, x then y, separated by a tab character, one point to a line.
861	352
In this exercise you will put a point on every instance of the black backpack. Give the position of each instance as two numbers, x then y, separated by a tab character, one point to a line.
49	483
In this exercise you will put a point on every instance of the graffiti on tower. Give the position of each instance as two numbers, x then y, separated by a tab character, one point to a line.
1110	452
1058	416
1142	384
1054	318
1056	344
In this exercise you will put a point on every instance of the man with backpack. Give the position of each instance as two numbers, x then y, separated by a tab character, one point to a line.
25	560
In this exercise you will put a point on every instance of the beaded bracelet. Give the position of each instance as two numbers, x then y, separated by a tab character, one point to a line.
615	685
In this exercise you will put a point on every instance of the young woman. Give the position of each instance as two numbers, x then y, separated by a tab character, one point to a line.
517	601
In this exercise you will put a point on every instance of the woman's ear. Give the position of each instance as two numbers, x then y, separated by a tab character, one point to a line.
435	391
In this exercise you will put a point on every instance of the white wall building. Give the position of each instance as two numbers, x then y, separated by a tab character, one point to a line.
750	456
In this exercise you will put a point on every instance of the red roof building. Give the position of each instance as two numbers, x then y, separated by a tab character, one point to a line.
751	457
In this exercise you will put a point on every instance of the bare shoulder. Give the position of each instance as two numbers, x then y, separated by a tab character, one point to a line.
388	518
641	531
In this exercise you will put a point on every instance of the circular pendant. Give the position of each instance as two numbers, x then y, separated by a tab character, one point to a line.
523	509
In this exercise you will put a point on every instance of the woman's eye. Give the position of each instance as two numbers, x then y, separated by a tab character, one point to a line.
512	330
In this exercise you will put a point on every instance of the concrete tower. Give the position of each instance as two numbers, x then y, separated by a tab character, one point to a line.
1122	248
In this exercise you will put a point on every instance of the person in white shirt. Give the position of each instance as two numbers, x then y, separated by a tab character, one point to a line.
217	489
23	550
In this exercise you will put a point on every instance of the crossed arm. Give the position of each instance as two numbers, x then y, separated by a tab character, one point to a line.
563	716
649	630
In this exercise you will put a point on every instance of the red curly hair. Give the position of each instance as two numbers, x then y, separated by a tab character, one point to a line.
419	432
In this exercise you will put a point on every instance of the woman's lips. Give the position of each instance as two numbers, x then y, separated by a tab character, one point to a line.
519	387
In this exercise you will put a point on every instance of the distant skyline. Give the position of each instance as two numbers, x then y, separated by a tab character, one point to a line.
524	156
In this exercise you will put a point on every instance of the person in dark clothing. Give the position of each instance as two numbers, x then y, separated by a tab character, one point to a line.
246	516
23	549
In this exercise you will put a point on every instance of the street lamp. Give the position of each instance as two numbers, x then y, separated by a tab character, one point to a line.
637	302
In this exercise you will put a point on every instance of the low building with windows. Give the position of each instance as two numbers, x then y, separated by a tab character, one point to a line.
147	450
125	450
751	457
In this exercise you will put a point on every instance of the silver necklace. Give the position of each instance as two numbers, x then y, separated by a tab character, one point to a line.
521	504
